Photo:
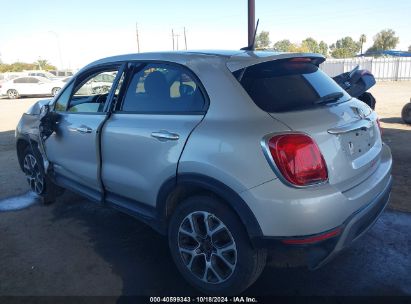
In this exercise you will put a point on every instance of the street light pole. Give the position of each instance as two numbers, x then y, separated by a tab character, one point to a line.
58	47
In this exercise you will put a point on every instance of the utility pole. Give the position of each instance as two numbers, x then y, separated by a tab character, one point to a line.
172	36
185	38
251	21
177	35
138	41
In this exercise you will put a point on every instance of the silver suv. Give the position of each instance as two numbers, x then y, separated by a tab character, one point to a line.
227	153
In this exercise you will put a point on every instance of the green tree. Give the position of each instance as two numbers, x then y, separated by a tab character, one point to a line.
311	45
282	46
262	40
345	48
43	64
22	66
323	48
363	39
384	40
299	48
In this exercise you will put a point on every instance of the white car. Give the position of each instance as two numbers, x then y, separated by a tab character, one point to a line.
30	85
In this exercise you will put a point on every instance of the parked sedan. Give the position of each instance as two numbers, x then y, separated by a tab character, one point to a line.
30	85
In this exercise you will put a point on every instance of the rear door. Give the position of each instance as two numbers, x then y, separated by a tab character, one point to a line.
145	136
74	149
39	86
344	128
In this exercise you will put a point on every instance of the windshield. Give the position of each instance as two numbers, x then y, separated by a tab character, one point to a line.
287	85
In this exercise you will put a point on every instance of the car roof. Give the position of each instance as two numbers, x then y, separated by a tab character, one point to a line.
234	59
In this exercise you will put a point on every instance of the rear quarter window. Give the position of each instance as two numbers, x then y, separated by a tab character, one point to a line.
284	85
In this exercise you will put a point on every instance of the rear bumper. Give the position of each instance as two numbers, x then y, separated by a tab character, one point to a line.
357	224
319	253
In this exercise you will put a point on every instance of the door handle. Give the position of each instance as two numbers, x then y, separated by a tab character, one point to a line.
82	130
165	135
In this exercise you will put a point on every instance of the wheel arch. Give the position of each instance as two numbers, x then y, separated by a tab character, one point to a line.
176	189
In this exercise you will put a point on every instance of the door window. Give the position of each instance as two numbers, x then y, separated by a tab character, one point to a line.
162	88
89	94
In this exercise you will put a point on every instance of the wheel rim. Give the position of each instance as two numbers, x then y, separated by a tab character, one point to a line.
207	247
33	174
12	94
55	91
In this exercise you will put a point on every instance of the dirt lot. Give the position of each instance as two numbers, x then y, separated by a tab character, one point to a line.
391	97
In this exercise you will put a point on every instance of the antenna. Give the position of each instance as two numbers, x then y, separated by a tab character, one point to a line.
251	47
138	41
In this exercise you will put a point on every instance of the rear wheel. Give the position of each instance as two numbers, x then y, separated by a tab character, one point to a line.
406	113
54	91
211	247
369	99
13	94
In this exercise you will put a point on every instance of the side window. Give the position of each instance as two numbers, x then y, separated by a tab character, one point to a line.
163	88
87	94
90	94
21	80
62	101
33	80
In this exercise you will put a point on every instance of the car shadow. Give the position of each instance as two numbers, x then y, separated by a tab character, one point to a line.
137	253
392	120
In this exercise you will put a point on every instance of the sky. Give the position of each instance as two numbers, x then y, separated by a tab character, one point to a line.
70	34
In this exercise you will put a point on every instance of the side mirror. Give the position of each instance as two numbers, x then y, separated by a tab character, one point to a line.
44	110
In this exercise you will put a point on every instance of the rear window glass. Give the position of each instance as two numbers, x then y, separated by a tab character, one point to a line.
284	85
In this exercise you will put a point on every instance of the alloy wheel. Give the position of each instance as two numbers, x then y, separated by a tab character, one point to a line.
207	247
12	94
33	173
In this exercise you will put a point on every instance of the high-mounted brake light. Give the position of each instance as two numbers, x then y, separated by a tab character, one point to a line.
298	159
300	59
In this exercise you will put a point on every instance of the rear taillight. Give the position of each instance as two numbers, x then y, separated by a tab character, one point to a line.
298	159
379	126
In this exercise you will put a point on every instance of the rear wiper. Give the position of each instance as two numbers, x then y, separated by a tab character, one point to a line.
329	98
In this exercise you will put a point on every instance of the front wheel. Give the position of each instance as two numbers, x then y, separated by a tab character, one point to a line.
12	94
211	248
38	181
33	169
406	113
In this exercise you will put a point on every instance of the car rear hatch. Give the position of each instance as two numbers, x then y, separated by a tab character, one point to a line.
297	93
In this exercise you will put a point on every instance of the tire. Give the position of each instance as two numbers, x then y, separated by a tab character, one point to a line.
38	181
13	94
406	113
369	99
54	91
222	261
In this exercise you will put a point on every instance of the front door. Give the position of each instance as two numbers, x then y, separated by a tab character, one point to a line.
74	148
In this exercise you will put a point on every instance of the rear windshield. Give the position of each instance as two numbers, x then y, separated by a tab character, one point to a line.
286	85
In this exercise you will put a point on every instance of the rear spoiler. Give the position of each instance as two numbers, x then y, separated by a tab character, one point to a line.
250	58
